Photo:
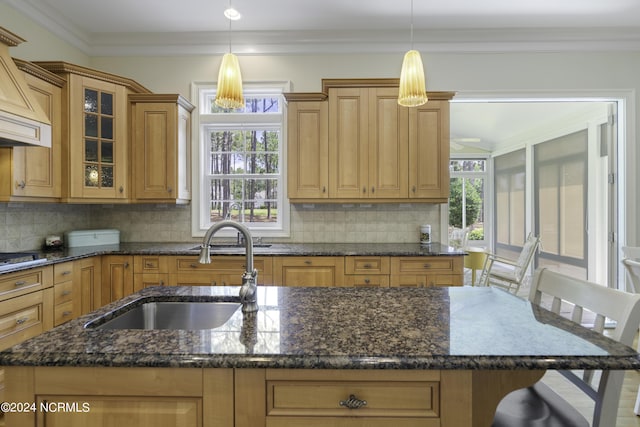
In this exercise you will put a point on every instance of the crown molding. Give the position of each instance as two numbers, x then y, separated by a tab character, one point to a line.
470	40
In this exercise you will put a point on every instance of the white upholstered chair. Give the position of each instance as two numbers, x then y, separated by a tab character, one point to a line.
507	273
539	405
632	266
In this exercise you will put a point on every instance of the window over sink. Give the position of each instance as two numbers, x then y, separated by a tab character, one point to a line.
241	160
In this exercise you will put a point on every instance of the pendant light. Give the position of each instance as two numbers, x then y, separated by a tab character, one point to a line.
229	91
412	82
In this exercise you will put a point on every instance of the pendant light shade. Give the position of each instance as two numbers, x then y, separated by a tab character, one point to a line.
412	82
413	90
229	91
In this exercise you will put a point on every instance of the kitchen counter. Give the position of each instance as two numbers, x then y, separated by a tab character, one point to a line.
338	328
276	249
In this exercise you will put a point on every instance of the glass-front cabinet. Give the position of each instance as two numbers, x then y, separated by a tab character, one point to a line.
96	161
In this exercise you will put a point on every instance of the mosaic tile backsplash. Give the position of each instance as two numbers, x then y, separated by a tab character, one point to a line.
23	226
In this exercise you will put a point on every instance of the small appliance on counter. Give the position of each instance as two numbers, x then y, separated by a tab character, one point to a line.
52	242
78	238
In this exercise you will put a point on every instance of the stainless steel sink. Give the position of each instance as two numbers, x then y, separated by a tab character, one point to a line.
186	315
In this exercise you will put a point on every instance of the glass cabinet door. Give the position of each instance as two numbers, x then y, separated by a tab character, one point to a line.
98	137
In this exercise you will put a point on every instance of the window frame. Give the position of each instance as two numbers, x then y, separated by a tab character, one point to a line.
486	176
203	123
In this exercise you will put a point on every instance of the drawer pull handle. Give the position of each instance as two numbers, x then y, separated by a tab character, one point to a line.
307	262
64	273
367	281
367	266
193	266
427	266
149	265
66	313
21	320
353	403
20	283
65	293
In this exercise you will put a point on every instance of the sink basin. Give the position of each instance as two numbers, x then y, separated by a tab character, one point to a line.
172	315
233	246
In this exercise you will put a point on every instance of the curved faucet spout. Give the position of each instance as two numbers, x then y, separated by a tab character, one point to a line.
205	251
248	291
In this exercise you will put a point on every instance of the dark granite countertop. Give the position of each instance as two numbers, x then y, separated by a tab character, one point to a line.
355	328
276	249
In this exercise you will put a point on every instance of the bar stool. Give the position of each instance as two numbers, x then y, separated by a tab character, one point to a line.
474	260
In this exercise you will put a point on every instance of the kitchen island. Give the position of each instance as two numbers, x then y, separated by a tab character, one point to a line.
309	356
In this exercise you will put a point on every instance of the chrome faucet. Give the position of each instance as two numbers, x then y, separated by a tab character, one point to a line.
249	288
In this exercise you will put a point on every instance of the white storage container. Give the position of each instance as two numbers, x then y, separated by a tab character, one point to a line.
92	238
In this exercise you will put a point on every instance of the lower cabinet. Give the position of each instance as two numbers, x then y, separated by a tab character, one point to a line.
114	397
427	271
223	271
117	277
89	275
340	398
308	271
367	271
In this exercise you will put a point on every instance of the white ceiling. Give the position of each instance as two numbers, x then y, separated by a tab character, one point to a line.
148	27
139	27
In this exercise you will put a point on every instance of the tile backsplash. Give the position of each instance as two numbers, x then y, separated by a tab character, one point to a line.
25	225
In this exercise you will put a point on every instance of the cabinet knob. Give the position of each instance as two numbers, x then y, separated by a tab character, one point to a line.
324	189
364	190
353	403
161	283
170	190
413	189
126	265
21	185
373	190
121	189
214	283
367	280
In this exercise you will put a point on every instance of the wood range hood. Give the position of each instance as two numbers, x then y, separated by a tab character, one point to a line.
22	121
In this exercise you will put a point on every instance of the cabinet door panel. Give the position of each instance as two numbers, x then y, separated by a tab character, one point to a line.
388	150
119	411
428	152
348	148
308	150
309	271
117	277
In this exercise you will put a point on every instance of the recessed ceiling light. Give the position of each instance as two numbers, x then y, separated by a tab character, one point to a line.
232	14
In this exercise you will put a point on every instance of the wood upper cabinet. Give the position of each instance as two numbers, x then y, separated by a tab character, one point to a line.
34	173
95	134
308	149
161	147
429	150
377	150
367	144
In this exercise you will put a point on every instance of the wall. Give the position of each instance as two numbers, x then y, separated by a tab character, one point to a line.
470	74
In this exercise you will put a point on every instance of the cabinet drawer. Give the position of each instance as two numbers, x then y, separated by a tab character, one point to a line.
329	397
225	264
150	264
364	280
62	292
421	264
422	281
25	317
366	265
23	282
63	313
63	272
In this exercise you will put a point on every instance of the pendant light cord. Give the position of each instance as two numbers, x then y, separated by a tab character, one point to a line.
411	24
